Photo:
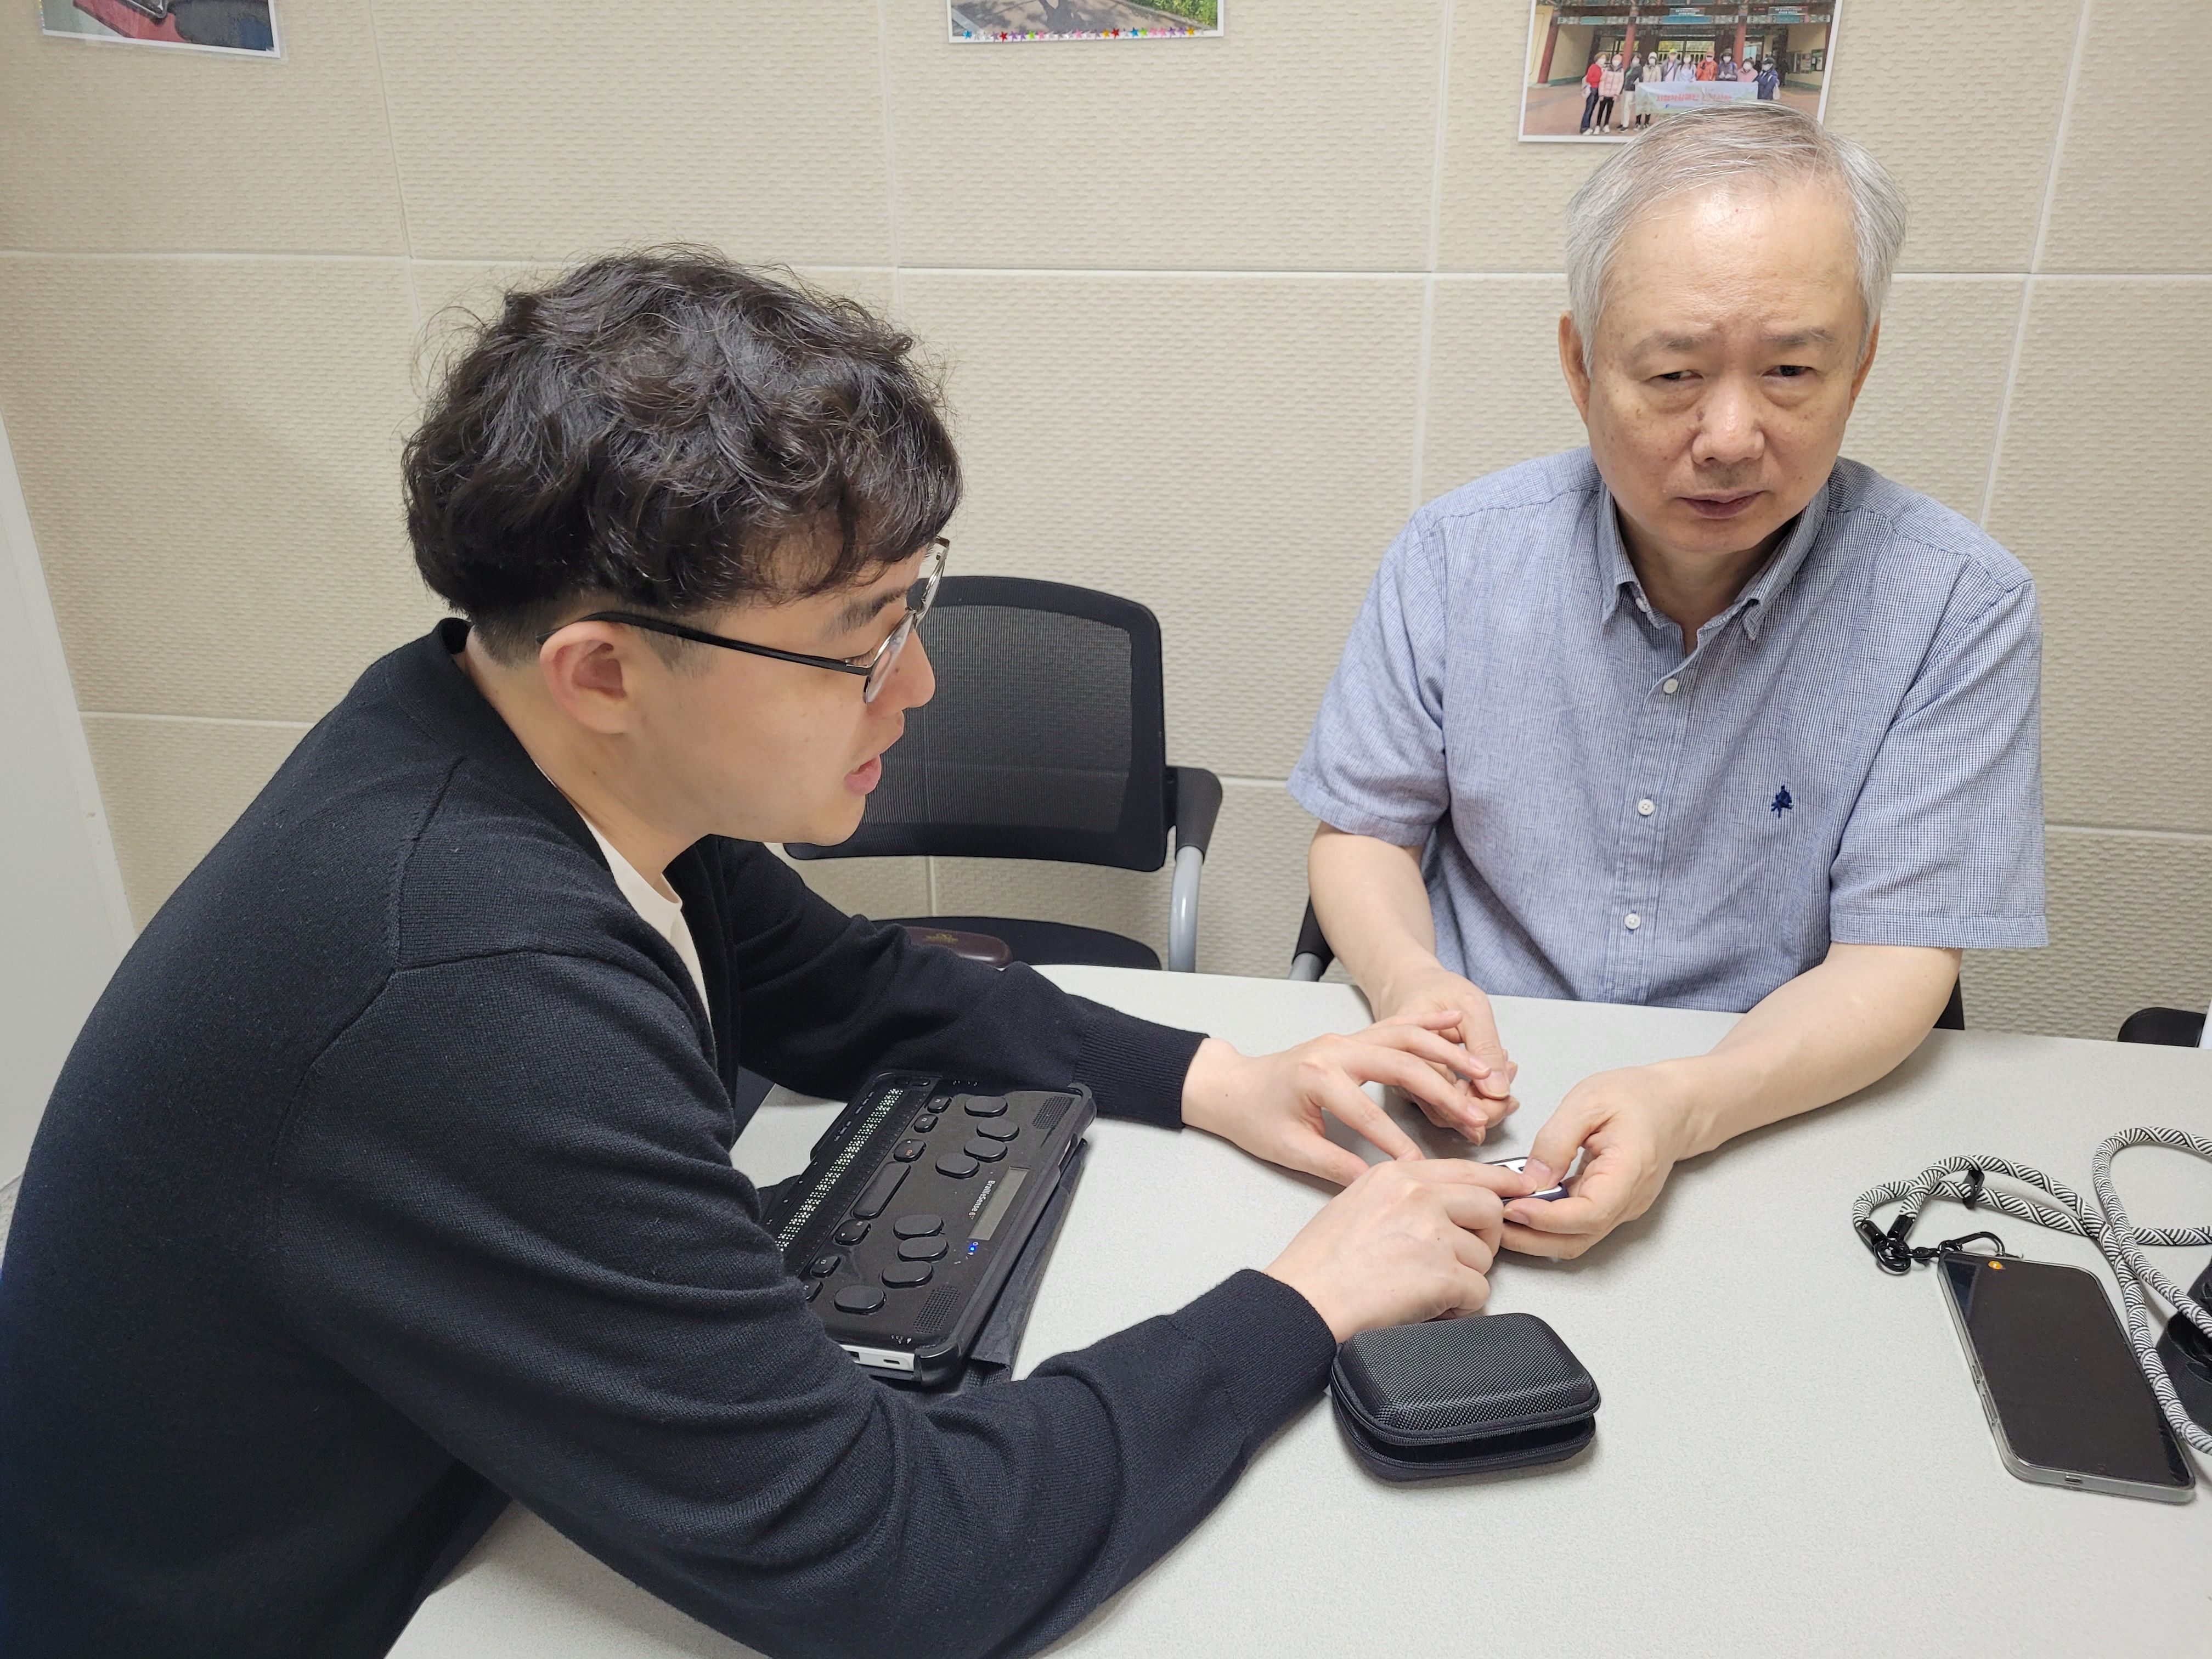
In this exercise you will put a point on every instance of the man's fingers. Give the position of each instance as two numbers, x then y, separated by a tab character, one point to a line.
1472	1209
1559	1247
1558	1215
1476	1250
1595	1205
1350	1106
1445	1103
1466	1028
1559	1141
1472	1292
1318	1155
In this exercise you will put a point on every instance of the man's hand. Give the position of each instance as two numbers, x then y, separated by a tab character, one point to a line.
1632	1127
1832	1029
1402	1244
1434	989
1374	906
1275	1106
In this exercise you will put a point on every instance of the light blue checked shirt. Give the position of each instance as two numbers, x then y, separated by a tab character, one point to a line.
1850	753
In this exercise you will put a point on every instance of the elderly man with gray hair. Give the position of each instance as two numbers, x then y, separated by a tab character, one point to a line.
1699	715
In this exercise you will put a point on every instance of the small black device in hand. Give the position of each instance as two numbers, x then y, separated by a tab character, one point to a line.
1459	1396
914	1208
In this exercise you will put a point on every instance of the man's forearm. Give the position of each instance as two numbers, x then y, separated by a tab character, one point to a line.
1823	1034
1373	907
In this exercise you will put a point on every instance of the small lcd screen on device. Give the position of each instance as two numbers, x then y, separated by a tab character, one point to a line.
1000	1205
2059	1369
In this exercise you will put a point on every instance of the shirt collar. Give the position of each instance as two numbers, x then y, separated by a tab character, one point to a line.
1619	575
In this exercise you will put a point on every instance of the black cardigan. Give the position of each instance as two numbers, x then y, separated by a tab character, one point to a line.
392	1176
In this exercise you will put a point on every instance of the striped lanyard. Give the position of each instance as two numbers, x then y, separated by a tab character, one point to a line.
1964	1179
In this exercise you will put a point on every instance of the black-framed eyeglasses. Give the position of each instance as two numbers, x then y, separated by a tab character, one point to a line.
874	668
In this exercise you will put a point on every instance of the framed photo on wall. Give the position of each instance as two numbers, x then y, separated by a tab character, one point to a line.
1598	69
247	26
1007	22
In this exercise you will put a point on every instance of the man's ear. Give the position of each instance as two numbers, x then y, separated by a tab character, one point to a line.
590	672
1572	366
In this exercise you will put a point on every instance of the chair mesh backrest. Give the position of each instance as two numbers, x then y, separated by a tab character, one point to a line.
1045	738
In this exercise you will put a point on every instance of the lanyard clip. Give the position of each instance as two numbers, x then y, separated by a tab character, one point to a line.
1890	1253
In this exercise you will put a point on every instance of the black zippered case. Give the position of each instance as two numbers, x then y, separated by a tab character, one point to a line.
1459	1396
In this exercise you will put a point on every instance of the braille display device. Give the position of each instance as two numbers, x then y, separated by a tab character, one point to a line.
914	1209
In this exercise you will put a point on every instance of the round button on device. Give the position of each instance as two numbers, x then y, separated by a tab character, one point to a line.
925	1123
958	1167
813	1289
825	1265
983	1106
997	1129
918	1226
984	1152
921	1249
851	1233
905	1275
859	1299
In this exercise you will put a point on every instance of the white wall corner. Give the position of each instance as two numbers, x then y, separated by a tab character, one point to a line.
64	920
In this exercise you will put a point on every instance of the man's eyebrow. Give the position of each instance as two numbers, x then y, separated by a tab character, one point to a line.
1660	340
1781	339
861	608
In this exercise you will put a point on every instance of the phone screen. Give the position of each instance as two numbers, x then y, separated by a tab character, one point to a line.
2058	1368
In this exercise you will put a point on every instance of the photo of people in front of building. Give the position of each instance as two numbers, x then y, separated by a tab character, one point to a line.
1600	69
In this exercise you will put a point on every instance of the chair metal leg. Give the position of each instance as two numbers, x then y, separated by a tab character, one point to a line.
1183	911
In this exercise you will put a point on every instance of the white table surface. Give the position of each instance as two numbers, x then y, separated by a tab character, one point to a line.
1790	1460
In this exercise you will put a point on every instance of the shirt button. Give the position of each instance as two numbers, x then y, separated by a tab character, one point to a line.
1670	686
1632	921
1645	809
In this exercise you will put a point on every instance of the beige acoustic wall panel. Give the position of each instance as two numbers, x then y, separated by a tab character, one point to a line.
129	149
528	131
2134	190
2130	928
1255	891
1966	128
1234	452
1496	394
172	787
1499	200
2100	491
1928	412
1300	140
210	450
1971	147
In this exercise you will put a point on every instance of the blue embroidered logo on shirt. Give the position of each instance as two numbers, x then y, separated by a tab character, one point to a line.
1781	803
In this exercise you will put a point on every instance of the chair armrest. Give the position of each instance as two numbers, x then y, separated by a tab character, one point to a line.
1310	958
1195	801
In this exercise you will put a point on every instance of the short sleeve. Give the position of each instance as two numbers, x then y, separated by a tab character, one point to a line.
1945	846
1374	764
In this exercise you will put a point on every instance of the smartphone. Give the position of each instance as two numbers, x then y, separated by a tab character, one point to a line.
2067	1403
1517	1164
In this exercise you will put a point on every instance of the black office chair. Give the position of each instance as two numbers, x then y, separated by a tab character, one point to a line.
1046	740
2175	1028
1310	957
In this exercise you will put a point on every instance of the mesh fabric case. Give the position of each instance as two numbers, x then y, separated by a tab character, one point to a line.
1460	1395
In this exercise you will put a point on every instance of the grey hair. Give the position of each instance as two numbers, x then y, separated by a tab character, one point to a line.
1703	149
